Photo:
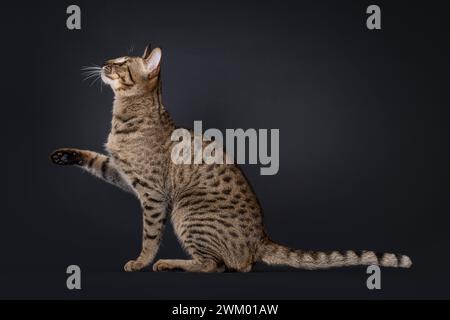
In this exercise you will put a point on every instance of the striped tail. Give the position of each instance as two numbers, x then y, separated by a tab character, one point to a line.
276	254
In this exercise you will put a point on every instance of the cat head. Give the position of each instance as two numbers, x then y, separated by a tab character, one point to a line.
130	76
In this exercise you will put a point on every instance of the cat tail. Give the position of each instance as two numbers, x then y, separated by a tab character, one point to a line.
272	253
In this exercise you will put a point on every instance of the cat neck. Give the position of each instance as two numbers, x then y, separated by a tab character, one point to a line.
148	106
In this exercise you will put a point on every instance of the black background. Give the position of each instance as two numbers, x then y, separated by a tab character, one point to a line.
363	118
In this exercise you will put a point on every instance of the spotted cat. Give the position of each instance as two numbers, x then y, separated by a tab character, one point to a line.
214	211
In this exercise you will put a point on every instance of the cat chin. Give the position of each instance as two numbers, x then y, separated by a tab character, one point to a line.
109	81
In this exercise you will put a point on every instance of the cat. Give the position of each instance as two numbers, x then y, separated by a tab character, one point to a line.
214	211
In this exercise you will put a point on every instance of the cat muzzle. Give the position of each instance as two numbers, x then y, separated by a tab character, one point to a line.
107	69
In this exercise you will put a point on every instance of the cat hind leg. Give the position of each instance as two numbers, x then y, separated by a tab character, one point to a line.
194	265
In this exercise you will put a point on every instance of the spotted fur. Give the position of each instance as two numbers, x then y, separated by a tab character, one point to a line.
213	209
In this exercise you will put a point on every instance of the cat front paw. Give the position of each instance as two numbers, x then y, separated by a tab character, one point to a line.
66	157
162	265
133	265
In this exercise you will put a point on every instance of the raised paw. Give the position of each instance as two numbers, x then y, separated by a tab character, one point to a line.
162	265
133	265
65	157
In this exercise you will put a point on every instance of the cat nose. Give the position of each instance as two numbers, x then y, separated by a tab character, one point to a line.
107	68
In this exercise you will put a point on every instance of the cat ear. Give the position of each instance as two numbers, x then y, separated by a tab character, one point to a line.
153	60
148	50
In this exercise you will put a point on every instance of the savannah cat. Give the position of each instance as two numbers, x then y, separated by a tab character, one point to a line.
215	214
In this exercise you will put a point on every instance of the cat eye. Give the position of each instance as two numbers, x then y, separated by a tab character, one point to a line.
119	64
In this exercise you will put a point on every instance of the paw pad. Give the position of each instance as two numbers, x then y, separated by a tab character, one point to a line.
66	157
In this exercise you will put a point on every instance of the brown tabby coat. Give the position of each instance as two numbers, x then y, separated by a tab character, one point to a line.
213	209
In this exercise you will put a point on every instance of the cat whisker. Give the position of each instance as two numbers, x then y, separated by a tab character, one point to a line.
91	68
90	77
91	71
95	80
